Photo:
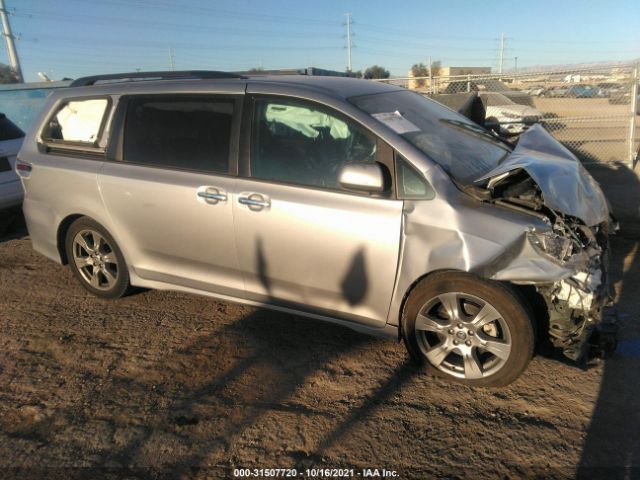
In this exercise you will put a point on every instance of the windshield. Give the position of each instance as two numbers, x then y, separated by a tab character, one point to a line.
463	149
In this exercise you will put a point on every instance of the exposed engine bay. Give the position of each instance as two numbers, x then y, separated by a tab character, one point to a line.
581	302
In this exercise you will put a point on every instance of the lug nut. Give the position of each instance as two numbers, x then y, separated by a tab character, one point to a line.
468	343
460	325
455	342
471	333
451	331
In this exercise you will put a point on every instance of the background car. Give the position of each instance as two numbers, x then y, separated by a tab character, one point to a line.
624	97
489	85
610	89
554	92
512	117
583	91
535	91
10	142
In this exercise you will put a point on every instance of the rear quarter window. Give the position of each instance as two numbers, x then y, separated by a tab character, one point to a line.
77	121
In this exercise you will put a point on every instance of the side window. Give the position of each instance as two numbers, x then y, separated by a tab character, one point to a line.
185	132
410	184
77	121
296	142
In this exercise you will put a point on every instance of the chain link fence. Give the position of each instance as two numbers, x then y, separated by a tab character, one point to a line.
593	111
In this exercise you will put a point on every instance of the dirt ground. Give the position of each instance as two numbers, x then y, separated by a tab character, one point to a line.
171	385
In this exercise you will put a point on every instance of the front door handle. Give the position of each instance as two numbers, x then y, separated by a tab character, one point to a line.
254	201
212	195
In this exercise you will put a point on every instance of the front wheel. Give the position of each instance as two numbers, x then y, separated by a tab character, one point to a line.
96	260
468	329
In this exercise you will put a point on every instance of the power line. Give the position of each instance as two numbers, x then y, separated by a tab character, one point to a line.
50	16
137	24
217	12
187	45
417	56
422	46
416	33
141	23
208	11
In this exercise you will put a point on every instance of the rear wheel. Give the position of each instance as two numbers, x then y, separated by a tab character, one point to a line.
96	260
468	329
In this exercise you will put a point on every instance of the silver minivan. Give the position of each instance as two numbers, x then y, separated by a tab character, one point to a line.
338	199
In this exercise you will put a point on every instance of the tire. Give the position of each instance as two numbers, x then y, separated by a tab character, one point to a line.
490	341
102	270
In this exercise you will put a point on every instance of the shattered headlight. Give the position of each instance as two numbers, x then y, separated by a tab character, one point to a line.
551	245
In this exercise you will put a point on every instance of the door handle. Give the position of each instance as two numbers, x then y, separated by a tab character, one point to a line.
212	194
252	202
255	201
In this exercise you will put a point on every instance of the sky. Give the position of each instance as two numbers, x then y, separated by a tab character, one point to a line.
71	38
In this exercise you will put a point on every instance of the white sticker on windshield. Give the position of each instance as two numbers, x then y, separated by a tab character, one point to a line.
396	122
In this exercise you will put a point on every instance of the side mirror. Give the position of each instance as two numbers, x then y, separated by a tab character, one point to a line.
362	177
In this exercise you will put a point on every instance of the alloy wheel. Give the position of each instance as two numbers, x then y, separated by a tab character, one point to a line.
95	259
463	335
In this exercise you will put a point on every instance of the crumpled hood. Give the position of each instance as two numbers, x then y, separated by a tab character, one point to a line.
566	185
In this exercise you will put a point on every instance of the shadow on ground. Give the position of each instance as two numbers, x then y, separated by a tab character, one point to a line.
192	416
12	224
612	447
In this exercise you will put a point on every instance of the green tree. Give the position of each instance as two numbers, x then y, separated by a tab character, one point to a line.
421	70
376	71
7	75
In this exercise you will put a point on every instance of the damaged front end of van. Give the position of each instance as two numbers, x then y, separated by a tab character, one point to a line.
541	176
538	219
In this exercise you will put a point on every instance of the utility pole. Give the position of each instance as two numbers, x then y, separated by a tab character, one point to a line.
633	153
516	59
501	52
430	76
171	63
14	61
348	23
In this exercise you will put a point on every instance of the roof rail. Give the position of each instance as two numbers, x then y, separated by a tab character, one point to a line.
309	71
168	75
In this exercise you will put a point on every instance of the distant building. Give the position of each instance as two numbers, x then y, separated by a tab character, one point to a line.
573	78
448	71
